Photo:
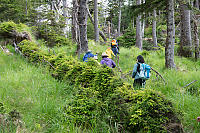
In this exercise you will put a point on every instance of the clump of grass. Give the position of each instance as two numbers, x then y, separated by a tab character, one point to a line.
33	92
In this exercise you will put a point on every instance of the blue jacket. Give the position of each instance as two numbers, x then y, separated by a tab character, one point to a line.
87	55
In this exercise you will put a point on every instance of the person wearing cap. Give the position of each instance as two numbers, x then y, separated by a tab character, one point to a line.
109	52
107	61
87	56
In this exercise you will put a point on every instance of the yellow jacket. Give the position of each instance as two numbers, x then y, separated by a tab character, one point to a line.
109	52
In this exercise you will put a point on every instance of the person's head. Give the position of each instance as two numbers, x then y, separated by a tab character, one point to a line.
104	55
89	51
140	59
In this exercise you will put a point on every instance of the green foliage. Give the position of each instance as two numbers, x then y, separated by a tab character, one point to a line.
2	109
13	10
6	28
52	32
128	38
143	110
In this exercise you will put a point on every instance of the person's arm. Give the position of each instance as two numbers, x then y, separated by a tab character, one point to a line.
91	55
102	62
84	58
112	53
134	71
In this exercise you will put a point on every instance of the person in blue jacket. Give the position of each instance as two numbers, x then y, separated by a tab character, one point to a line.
88	55
114	47
138	82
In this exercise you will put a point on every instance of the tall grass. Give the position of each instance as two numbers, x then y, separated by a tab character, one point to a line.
33	92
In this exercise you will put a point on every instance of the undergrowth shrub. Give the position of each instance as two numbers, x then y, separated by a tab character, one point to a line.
141	110
128	38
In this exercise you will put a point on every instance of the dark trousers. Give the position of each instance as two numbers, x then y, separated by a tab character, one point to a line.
139	83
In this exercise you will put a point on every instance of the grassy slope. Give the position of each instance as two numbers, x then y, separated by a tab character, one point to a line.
39	97
32	92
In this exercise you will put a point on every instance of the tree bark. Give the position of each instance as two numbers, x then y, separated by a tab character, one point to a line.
82	22
96	29
26	7
143	22
186	39
154	29
74	22
65	29
196	39
100	32
138	29
169	48
109	29
119	17
197	4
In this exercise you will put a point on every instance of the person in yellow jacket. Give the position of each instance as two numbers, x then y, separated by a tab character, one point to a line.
109	52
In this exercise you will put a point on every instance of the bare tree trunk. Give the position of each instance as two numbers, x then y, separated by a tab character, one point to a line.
133	22
109	29
26	7
154	29
196	36
119	18
65	17
96	29
186	39
100	32
143	22
82	22
197	4
169	48
138	29
74	22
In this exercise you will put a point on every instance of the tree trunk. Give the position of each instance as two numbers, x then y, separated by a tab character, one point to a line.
138	30
82	22
65	29
154	29
143	22
100	32
133	22
119	18
74	21
96	29
109	29
196	37
197	4
169	48
26	7
185	39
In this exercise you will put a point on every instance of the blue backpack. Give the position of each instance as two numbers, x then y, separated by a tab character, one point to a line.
144	71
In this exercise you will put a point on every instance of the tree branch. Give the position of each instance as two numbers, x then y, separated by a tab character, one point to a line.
158	74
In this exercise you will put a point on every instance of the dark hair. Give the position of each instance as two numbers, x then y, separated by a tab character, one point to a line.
140	60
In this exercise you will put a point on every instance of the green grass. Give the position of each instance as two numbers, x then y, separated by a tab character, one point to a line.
33	92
